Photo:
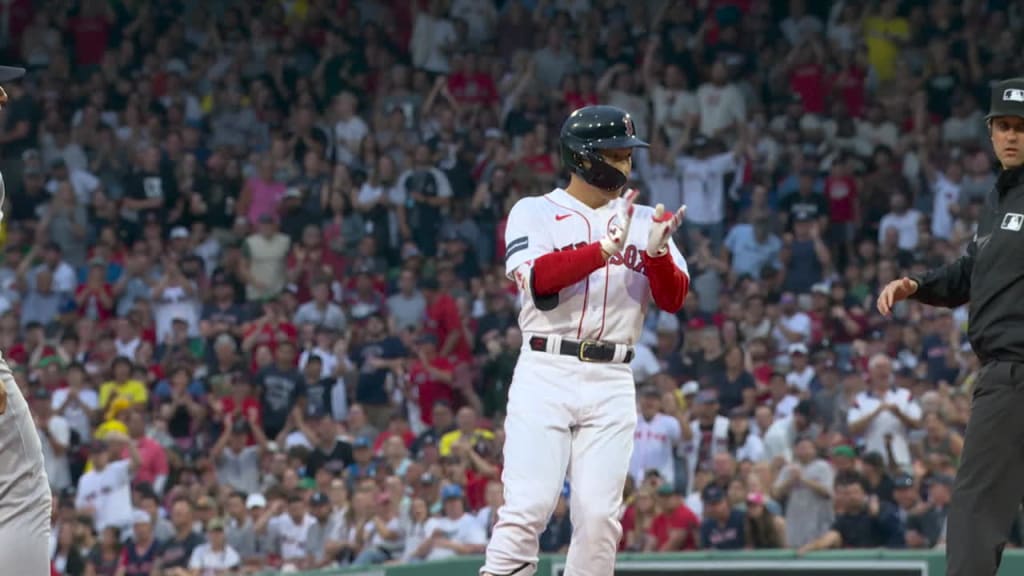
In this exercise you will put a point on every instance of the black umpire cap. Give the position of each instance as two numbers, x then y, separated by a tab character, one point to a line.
1007	99
10	73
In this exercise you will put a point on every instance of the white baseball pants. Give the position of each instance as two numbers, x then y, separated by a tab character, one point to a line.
25	500
564	416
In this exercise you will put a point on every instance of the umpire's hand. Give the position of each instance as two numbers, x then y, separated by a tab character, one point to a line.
895	291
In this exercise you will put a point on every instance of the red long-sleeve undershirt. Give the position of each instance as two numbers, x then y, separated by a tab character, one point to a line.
557	270
669	284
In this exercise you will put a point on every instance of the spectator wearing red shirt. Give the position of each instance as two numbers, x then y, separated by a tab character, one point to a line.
443	322
468	84
807	76
270	329
90	30
431	377
676	527
841	193
397	426
153	468
95	298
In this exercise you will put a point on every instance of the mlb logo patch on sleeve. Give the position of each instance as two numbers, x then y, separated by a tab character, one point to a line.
1012	221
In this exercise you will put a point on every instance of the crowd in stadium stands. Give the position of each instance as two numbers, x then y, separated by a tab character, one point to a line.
253	282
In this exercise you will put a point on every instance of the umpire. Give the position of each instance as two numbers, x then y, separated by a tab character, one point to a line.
990	275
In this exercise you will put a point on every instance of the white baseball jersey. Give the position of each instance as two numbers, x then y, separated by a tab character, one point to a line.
653	447
608	305
886	423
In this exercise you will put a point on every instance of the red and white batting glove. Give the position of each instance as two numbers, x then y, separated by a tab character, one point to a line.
618	229
664	224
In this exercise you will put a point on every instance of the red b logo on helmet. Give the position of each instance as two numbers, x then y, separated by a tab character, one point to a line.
630	130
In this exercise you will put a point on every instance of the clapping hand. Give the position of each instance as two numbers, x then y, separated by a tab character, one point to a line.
615	241
664	224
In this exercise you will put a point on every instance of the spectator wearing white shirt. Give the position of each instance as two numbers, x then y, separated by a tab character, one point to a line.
382	536
83	182
433	35
782	399
884	414
216	556
456	533
707	436
55	437
945	189
105	492
287	529
793	325
782	434
903	219
656	167
801	373
703	175
349	129
744	444
320	311
722	107
76	402
654	440
675	108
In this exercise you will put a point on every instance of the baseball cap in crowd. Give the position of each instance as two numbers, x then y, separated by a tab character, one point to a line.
712	494
451	492
362	442
941	480
844	451
903	481
179	233
215	525
797	348
427	479
141	517
650	391
255	501
706	397
319	499
335	466
240	427
690	388
667	323
315	412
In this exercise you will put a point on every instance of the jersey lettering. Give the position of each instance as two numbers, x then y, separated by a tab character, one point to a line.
630	258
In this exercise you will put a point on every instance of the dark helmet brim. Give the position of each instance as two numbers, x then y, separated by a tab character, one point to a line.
618	142
10	73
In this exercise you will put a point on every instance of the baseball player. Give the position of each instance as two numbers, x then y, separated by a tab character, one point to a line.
25	499
587	262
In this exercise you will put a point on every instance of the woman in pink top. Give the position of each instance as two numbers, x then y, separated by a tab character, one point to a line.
261	194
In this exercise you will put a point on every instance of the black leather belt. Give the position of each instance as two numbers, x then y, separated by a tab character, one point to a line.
584	350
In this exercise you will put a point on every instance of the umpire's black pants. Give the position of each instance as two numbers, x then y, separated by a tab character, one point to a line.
990	482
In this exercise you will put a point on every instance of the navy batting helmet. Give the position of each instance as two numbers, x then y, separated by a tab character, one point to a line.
591	129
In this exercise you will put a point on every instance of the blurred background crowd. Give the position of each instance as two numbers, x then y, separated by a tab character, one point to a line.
252	277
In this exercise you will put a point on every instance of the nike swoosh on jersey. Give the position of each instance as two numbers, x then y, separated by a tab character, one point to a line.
561	217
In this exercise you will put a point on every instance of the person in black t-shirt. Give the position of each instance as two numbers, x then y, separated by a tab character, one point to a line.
153	190
319	391
806	203
282	390
724	528
862	521
176	552
379	355
322	430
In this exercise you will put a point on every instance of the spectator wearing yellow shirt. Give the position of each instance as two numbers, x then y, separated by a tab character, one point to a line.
122	385
885	33
465	425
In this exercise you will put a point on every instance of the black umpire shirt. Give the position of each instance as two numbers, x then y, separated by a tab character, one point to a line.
990	275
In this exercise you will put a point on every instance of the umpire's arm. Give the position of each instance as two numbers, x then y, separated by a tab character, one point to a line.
948	286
